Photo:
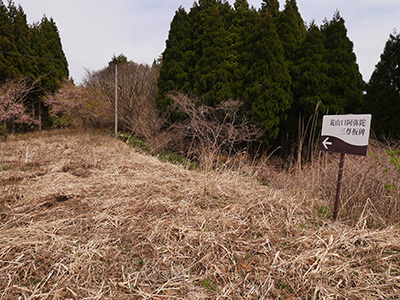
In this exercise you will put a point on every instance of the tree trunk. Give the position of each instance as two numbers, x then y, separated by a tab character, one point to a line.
40	116
5	133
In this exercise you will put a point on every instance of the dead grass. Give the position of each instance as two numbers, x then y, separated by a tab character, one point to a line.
370	194
89	218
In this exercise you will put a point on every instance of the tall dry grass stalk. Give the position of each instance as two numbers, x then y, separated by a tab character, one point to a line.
89	218
370	188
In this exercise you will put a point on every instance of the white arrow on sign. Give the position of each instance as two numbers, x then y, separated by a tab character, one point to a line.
326	143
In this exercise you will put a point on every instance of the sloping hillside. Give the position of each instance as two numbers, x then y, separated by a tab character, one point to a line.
86	217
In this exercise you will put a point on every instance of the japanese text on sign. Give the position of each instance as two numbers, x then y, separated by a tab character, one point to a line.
349	126
349	122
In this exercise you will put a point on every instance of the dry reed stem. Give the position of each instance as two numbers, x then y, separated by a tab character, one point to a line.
89	218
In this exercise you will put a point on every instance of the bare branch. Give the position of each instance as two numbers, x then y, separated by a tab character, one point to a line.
211	132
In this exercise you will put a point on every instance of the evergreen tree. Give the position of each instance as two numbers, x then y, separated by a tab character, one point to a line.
8	69
197	57
267	94
345	81
310	88
271	7
266	58
383	91
30	53
25	62
53	65
311	83
291	30
118	60
177	60
211	73
242	23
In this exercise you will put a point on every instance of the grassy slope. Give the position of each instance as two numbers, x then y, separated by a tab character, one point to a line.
89	218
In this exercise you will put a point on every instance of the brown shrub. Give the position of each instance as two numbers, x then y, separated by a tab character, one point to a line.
212	135
80	107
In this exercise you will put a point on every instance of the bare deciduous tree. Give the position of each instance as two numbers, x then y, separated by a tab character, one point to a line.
137	89
209	133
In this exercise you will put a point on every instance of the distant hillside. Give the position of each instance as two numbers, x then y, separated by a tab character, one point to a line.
87	217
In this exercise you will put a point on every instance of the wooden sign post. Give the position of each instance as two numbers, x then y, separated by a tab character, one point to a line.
345	134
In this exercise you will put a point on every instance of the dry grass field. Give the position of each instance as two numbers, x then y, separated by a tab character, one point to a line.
88	217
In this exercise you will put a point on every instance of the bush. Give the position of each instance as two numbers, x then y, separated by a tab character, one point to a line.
78	106
205	134
60	121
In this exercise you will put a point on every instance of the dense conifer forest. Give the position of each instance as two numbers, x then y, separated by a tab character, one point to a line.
32	55
31	51
280	67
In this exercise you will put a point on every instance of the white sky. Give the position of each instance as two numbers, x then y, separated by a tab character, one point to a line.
93	30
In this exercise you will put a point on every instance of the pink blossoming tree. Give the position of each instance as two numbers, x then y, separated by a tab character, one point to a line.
12	108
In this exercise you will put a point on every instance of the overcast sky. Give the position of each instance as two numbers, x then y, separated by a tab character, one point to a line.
93	30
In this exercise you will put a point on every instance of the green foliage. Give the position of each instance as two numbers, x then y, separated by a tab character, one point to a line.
60	121
164	155
271	7
118	60
344	79
266	58
25	63
211	71
177	159
324	211
33	53
177	60
242	21
53	64
310	84
7	45
136	143
291	30
281	284
382	91
30	51
394	156
267	93
209	284
292	33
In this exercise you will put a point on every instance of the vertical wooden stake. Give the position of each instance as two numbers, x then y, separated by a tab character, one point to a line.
27	154
339	187
116	101
40	116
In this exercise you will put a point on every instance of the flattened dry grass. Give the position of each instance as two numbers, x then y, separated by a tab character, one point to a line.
89	218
